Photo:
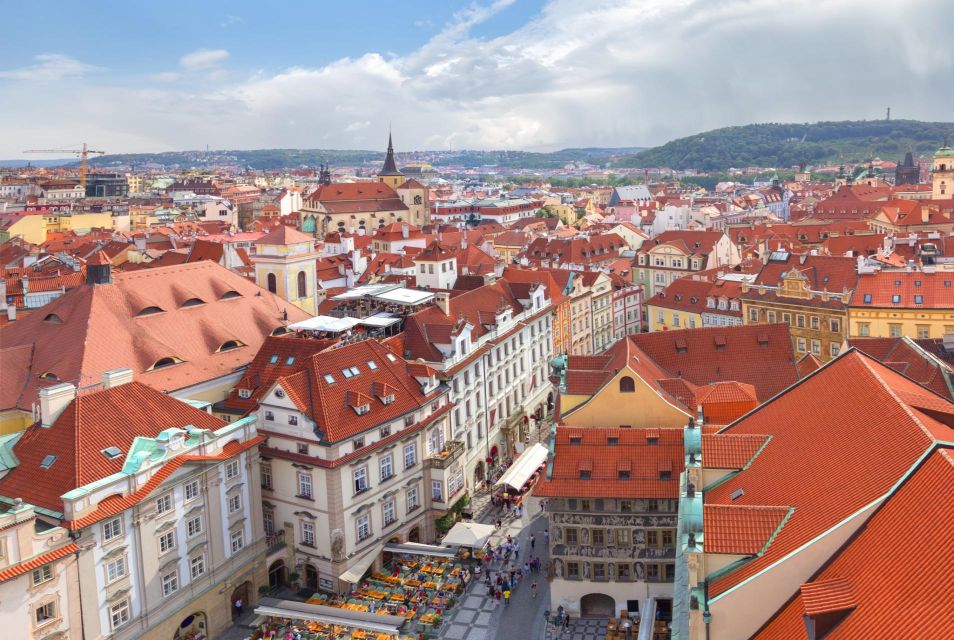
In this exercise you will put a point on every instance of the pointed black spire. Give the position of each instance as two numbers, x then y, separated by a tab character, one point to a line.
390	167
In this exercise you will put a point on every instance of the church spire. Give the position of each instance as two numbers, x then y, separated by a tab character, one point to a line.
390	167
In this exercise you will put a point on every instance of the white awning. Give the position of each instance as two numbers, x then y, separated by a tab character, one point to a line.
324	323
418	549
379	320
356	571
523	467
469	534
330	615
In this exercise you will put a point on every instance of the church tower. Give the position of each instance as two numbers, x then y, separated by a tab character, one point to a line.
389	174
284	263
942	173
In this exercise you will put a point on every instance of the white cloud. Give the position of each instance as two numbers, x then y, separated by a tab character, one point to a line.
50	66
203	59
165	76
599	73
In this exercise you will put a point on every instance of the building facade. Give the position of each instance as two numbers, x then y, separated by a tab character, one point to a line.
892	304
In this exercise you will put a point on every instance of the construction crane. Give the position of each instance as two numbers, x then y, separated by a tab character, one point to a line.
82	153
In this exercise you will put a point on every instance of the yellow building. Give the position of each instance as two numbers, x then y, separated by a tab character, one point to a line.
285	265
566	213
891	304
34	226
619	388
29	227
942	174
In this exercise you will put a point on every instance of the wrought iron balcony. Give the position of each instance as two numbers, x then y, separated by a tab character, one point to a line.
444	458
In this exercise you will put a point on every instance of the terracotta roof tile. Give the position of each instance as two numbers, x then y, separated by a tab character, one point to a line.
744	530
37	561
878	587
729	450
905	290
854	437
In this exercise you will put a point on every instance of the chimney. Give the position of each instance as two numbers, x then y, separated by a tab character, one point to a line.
116	377
53	400
405	231
442	298
925	214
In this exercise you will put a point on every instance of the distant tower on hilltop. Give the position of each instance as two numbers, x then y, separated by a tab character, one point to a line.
389	173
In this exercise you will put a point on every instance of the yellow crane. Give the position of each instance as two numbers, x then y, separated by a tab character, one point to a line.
82	153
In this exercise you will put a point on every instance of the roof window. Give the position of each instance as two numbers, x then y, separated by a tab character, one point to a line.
738	493
193	302
47	461
148	311
391	357
896	298
112	452
918	299
576	439
289	361
168	361
330	379
867	298
231	293
49	375
53	318
917	283
612	441
273	359
228	345
372	365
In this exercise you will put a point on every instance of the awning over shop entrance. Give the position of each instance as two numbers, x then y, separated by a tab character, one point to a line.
523	467
417	549
357	570
388	624
473	535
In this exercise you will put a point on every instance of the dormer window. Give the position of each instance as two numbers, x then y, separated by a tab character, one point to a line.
231	293
168	361
148	311
53	319
112	453
388	399
362	409
245	394
575	440
228	345
193	302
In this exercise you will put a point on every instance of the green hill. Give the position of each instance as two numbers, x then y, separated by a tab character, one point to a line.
787	145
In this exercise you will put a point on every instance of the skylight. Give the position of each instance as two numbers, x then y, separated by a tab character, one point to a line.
372	365
273	359
391	357
48	461
347	373
112	452
330	379
148	311
290	361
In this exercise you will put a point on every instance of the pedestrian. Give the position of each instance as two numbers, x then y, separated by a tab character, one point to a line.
239	606
526	568
498	523
506	595
566	622
533	589
516	548
490	590
497	594
521	509
533	541
546	536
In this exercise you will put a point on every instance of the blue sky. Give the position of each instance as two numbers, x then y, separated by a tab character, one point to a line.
525	74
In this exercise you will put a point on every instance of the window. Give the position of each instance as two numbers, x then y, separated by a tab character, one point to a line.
46	612
585	505
372	365
572	536
357	443
667	538
894	330
308	534
293	420
266	472
302	285
626	506
661	317
437	491
269	415
387	467
119	614
363	526
164	504
599	537
800	345
272	283
918	299
816	347
622	537
235	503
237	540
385	431
197	566
245	393
835	325
194	526
652	538
115	569
304	485
867	298
924	331
623	572
360	479
753	315
896	298
231	470
787	318
390	512
170	583
410	455
864	329
800	321
111	529
413	501
43	574
815	323
770	316
573	570
167	542
833	349
627	385
303	449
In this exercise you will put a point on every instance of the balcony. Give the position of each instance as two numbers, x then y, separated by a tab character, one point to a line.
443	459
275	541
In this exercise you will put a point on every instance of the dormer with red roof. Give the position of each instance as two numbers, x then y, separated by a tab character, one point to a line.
436	266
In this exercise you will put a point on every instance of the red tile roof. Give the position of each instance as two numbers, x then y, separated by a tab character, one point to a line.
689	242
882	591
633	454
37	561
854	437
330	404
924	361
92	422
905	290
742	530
760	355
96	328
730	450
282	235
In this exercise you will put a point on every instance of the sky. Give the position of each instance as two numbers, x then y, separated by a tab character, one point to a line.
152	76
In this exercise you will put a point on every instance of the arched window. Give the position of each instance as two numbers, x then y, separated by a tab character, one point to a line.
230	344
418	200
627	385
272	283
302	285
